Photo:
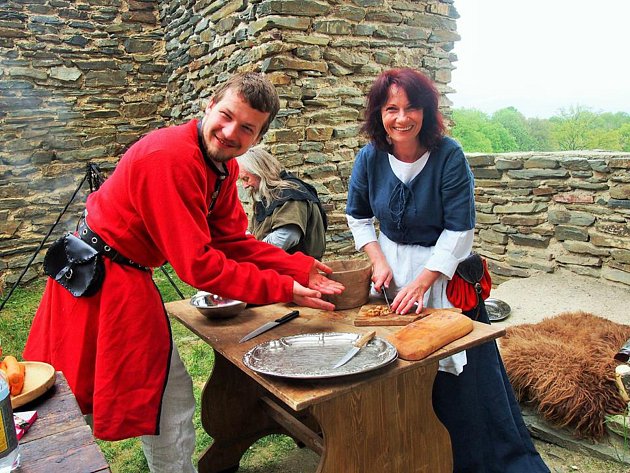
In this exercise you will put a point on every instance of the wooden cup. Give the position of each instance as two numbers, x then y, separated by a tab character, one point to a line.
355	275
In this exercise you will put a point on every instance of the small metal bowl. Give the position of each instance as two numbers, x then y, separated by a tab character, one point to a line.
497	309
216	307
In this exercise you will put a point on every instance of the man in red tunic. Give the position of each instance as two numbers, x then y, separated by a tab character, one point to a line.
172	197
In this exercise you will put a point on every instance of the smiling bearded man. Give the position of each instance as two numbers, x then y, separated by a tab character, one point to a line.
172	197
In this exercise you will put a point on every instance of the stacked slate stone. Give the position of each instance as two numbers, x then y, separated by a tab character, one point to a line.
80	81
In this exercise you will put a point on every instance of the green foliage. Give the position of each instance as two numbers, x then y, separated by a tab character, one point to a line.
472	130
516	125
624	136
16	318
574	128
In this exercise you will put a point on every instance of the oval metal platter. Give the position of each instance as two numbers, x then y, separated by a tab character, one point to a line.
313	355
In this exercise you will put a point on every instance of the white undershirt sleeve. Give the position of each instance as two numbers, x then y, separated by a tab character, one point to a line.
451	248
284	237
363	231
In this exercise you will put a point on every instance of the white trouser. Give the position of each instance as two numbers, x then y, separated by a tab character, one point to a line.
172	450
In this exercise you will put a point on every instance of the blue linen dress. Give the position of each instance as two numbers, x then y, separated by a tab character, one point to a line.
477	407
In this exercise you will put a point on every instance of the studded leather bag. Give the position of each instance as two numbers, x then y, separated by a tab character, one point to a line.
470	284
75	265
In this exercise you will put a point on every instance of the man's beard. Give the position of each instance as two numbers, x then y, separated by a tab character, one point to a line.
221	158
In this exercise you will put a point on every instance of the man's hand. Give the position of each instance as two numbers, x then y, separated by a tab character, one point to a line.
310	297
319	282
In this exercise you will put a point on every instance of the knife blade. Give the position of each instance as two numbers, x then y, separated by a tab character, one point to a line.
356	347
389	306
269	325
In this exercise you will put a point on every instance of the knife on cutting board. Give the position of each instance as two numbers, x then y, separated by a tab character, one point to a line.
269	325
389	306
356	347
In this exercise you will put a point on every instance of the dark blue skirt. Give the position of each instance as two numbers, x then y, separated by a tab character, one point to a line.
482	416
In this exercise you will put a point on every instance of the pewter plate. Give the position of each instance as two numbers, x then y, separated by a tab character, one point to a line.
497	309
313	355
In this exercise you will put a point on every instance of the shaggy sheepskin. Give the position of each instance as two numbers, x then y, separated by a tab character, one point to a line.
564	367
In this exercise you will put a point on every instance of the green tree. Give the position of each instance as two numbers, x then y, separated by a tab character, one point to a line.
468	130
573	129
607	131
477	134
502	140
624	136
612	121
517	126
540	133
605	140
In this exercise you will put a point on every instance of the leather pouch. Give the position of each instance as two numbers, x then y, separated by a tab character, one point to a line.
470	284
75	265
471	269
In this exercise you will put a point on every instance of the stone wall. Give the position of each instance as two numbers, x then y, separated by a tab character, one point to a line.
322	57
79	81
541	211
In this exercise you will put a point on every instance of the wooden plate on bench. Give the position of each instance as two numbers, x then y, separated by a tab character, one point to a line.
38	378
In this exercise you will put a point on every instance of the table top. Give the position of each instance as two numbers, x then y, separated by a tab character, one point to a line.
223	335
59	441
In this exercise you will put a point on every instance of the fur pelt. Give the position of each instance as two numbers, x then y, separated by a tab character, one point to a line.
564	367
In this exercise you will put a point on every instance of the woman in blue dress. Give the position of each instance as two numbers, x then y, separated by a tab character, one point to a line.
417	184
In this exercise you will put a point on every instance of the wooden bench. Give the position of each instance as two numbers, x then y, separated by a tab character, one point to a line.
59	441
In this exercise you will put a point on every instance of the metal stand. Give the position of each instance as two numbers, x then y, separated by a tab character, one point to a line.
95	179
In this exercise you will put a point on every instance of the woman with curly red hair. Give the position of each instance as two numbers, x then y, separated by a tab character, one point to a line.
417	183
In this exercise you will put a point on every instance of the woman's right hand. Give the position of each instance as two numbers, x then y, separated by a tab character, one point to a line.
381	275
381	271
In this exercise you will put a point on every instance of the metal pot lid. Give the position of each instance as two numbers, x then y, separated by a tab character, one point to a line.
497	309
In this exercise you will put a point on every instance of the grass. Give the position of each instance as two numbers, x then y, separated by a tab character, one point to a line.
126	456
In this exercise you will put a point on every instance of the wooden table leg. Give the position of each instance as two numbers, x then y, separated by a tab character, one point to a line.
232	415
385	427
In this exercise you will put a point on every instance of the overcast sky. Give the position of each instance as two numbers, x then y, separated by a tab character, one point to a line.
542	55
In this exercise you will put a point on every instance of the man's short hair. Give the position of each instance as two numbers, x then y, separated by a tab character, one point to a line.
256	90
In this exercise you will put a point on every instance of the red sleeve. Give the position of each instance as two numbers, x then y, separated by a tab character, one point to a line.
171	199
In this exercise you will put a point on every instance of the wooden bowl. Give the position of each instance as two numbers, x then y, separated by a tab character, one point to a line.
38	378
355	275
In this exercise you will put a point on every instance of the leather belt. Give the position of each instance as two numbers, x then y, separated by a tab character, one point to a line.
87	235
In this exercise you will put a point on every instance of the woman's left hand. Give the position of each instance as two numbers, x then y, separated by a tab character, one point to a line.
413	293
319	282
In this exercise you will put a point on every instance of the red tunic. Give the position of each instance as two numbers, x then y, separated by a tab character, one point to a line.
114	347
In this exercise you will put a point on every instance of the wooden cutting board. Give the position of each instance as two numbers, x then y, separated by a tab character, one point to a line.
364	320
421	338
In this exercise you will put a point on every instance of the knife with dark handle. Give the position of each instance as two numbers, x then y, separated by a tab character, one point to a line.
269	325
356	347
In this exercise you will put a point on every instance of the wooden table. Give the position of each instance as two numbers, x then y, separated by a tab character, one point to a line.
59	441
377	422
